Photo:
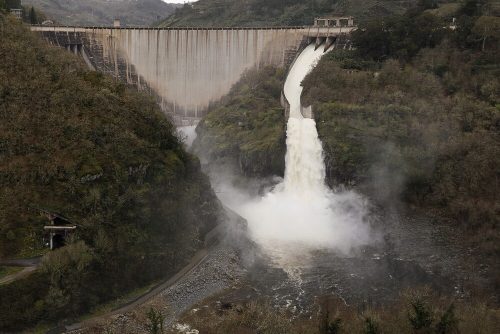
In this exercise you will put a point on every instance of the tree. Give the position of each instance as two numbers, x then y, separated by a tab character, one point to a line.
427	4
32	16
487	27
156	319
421	317
371	325
400	36
13	4
448	322
372	40
472	7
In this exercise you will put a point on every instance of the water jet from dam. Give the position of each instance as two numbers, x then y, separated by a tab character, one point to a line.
302	213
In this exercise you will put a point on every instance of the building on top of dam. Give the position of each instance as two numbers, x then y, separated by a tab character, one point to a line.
334	21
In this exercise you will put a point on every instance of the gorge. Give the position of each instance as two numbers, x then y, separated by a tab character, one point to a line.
254	180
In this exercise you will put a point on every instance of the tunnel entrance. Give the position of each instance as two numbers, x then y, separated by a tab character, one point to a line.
59	229
58	240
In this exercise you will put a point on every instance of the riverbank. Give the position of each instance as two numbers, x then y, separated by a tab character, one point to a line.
410	252
219	270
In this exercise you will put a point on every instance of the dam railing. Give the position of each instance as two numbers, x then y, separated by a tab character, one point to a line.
306	30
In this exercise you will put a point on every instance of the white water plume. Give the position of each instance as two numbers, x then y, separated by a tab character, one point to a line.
187	134
302	213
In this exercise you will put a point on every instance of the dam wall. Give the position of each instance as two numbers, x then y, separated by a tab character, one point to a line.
186	69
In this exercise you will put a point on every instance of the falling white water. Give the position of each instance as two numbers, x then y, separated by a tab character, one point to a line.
305	170
187	134
302	213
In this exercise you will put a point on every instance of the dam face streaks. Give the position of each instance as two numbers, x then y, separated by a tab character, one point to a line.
187	70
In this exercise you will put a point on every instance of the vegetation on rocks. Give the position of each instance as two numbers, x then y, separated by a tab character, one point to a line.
254	13
416	311
417	118
78	143
247	128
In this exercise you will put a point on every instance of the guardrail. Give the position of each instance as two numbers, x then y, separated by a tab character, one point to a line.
38	27
309	30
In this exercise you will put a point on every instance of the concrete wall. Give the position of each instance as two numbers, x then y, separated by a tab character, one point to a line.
187	69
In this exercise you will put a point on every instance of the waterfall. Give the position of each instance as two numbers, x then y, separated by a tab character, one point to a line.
305	170
302	213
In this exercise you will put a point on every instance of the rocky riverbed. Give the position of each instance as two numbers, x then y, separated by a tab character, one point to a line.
219	271
408	252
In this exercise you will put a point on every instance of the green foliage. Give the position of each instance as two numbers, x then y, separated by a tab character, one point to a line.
420	316
334	326
156	319
255	318
371	325
423	131
488	27
66	268
247	128
102	13
391	318
22	302
403	36
448	323
6	271
276	12
10	4
473	7
79	143
399	36
33	18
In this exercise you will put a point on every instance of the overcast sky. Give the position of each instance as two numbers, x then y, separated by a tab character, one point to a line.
178	1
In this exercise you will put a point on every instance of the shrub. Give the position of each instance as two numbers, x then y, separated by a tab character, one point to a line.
156	319
420	316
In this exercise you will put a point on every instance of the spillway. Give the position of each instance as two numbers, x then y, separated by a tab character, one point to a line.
302	212
305	170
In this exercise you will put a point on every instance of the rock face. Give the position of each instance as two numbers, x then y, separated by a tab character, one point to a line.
187	69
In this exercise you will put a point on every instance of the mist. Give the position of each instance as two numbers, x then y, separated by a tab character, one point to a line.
299	214
187	134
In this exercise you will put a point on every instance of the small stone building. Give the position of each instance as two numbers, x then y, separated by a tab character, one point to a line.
335	21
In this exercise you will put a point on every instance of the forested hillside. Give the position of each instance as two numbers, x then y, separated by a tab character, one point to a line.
413	114
247	128
78	143
411	117
103	12
220	13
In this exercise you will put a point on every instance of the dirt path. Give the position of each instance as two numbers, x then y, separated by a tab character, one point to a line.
14	277
30	265
196	260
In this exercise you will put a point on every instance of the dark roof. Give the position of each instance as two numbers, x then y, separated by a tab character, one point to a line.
57	216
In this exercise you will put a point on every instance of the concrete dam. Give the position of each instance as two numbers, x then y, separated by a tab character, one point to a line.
187	69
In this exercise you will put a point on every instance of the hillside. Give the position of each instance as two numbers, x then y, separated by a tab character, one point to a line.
415	120
103	12
246	129
411	122
78	143
277	12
